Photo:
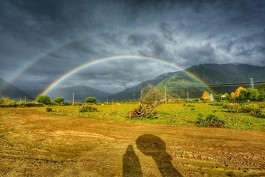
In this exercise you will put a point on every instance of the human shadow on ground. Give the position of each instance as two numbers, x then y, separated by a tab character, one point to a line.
153	146
131	163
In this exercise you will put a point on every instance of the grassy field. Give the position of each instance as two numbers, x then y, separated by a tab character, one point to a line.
66	142
179	114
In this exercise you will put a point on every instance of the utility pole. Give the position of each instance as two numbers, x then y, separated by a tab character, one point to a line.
251	82
25	99
141	92
165	94
188	95
73	97
107	101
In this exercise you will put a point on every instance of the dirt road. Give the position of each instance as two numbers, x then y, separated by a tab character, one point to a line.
41	144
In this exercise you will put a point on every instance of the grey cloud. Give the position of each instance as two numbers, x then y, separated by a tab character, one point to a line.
158	49
71	33
136	39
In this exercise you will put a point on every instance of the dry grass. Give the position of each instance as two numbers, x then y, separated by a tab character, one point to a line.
35	143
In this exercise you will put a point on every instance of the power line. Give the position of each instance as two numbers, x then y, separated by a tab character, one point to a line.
225	84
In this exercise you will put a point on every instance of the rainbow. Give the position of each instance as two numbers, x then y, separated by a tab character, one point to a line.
41	56
117	57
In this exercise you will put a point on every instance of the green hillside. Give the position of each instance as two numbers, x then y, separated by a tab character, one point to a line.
221	78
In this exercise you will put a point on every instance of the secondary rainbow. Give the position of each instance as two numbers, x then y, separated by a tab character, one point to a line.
42	56
118	57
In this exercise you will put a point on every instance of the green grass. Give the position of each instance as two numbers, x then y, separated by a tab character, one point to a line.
178	114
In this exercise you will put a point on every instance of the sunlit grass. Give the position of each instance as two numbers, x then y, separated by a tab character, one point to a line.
179	114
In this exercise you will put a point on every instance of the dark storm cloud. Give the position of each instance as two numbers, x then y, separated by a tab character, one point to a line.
70	33
118	73
136	39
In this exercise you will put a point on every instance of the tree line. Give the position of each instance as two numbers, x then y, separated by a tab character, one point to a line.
241	94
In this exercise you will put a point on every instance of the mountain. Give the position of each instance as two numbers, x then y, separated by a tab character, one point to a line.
215	75
32	92
133	93
80	93
10	91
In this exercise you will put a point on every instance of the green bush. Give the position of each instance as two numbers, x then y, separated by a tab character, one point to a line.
218	104
59	100
87	108
8	102
232	107
253	109
200	122
189	105
210	121
91	100
48	109
261	115
214	121
43	99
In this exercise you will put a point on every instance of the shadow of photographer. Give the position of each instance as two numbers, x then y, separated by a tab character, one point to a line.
153	146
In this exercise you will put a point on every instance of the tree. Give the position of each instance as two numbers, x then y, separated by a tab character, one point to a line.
91	100
238	90
253	94
233	96
59	100
205	96
261	89
261	96
217	97
249	94
7	101
150	99
43	99
243	96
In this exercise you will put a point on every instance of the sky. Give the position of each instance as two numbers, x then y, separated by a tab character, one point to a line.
43	39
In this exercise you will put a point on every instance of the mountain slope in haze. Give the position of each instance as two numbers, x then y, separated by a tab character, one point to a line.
80	93
10	91
133	93
228	73
179	83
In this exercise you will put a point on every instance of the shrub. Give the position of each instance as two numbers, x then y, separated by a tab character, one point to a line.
189	105
261	115
8	102
59	100
210	121
43	99
253	109
48	109
87	108
91	100
218	104
200	122
232	107
214	121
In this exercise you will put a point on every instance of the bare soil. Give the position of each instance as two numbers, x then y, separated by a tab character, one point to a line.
42	144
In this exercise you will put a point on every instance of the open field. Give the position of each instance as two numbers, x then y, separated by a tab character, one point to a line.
180	114
106	143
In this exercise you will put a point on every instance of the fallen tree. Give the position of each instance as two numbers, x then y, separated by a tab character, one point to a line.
151	97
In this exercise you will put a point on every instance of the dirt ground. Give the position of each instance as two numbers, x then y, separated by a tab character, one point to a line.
42	144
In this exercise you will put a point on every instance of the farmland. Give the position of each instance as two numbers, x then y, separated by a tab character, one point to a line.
66	142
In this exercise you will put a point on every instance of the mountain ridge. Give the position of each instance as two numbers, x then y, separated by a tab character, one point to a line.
80	93
209	73
11	91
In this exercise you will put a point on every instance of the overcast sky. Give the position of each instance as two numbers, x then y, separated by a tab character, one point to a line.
57	36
